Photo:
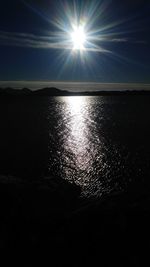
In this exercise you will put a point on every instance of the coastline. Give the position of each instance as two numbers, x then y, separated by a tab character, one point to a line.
49	218
52	91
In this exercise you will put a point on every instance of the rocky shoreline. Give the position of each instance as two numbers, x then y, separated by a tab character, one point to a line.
49	222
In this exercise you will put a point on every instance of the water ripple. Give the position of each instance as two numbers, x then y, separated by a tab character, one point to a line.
87	144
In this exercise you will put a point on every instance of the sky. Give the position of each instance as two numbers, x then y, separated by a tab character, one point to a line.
36	42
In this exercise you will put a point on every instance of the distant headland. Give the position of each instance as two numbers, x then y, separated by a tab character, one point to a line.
52	91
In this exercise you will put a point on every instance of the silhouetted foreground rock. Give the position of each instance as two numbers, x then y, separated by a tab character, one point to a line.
46	223
37	199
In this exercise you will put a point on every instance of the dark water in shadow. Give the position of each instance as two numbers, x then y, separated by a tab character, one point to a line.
101	143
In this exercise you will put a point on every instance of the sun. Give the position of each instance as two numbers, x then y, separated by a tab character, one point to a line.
78	37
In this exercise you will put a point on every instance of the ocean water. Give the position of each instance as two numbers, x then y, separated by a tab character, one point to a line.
102	143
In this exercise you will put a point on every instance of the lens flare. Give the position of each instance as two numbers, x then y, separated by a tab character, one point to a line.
79	30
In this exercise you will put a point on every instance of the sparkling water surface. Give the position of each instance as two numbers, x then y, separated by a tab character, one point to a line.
98	142
102	143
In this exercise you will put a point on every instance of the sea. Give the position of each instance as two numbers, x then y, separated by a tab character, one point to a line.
100	143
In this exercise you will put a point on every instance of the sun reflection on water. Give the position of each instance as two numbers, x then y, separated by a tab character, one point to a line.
77	142
77	124
82	142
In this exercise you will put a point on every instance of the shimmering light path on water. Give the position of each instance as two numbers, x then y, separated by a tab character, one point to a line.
94	143
81	141
101	143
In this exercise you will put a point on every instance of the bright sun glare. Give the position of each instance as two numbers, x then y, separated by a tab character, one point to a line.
78	37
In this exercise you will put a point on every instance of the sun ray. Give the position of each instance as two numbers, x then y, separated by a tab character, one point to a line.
80	30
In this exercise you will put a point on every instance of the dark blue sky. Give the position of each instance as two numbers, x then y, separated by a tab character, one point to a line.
32	46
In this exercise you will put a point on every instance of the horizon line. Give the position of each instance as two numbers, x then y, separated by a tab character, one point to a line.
63	81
